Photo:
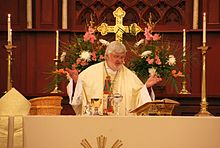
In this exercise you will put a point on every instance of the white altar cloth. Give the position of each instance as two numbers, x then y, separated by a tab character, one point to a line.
134	132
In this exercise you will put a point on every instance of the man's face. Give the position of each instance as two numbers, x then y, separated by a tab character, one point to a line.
115	60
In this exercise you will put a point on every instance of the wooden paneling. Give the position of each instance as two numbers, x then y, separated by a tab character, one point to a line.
213	13
41	53
213	63
17	9
46	13
3	62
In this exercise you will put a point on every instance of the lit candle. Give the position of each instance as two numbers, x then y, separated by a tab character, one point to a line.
204	28
184	42
57	44
9	27
10	36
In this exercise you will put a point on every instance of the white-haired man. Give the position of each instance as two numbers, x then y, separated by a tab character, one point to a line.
91	81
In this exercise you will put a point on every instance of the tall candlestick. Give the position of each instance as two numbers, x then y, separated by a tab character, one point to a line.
57	44
184	90
56	89
9	27
184	42
204	28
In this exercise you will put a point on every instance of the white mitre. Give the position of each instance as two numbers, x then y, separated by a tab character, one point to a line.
14	104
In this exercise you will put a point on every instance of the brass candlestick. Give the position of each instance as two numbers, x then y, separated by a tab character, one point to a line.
56	89
56	60
203	105
184	90
9	48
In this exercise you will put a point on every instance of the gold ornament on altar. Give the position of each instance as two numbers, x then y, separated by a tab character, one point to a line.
119	28
96	103
101	142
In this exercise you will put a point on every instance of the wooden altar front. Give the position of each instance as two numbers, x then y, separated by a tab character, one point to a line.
135	131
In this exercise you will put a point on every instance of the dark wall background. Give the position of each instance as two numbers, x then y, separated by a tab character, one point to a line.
35	48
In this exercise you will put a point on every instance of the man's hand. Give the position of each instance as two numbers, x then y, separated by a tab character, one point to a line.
152	80
73	73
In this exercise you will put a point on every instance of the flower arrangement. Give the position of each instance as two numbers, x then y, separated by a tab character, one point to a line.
82	52
153	55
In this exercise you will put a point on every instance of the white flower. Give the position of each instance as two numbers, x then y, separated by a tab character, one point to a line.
139	43
152	71
62	57
145	54
85	55
104	42
172	60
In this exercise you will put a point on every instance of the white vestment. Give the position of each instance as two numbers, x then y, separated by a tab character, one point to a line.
91	84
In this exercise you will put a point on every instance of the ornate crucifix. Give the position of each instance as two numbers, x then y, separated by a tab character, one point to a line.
119	28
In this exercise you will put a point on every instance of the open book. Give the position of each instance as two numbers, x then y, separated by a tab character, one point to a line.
157	107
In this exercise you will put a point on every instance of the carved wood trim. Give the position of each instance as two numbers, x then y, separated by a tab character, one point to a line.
172	15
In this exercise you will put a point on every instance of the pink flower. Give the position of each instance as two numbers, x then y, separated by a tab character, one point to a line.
180	74
175	74
92	38
101	57
158	62
89	36
86	37
148	35
94	58
150	61
78	61
156	37
73	66
84	63
60	71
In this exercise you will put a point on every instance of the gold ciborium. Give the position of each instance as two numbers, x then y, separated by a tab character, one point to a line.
96	103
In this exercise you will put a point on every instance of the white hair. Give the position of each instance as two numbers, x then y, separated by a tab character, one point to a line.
115	47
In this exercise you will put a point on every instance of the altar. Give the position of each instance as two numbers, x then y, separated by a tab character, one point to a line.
127	132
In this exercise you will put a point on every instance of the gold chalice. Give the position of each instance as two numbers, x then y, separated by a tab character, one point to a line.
96	103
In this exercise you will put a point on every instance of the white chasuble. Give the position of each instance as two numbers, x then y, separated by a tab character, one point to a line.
91	84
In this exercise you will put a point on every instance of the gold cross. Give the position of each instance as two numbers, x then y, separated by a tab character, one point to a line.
119	28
